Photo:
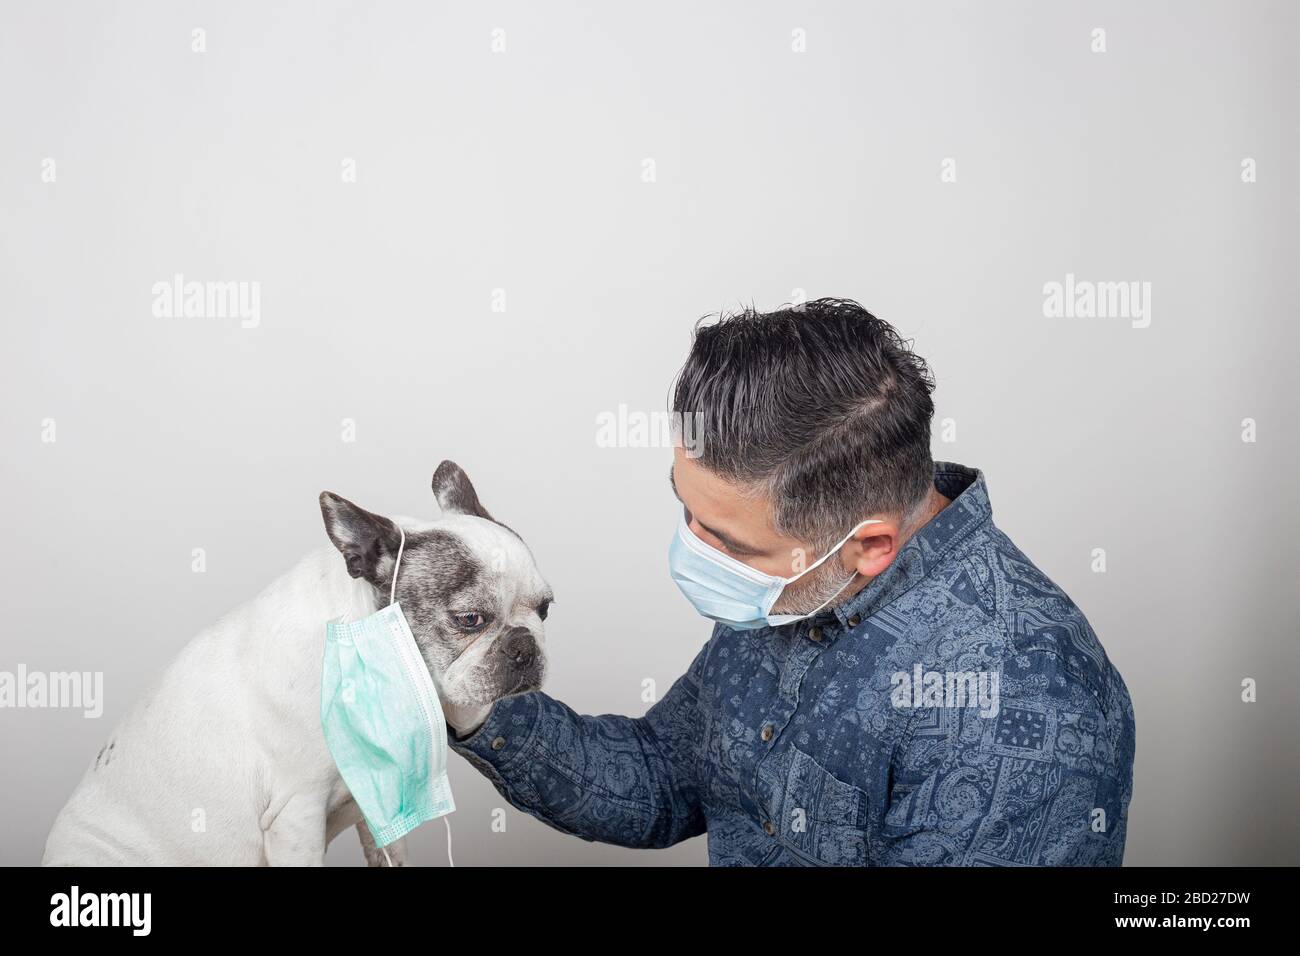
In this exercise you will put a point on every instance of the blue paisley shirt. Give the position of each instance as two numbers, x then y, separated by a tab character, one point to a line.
842	740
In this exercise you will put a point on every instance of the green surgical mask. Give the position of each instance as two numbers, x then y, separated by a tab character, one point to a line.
383	723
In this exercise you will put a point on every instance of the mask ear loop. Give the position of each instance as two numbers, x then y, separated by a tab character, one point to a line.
814	566
450	862
392	599
835	550
392	591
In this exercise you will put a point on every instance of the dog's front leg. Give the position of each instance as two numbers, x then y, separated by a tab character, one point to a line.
392	855
296	836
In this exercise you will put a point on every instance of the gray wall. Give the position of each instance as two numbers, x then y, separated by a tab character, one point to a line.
776	172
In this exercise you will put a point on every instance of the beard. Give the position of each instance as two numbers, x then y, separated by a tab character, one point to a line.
826	583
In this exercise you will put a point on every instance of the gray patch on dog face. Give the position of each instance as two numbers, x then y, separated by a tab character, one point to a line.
438	573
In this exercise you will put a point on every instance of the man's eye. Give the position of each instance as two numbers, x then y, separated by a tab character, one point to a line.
473	621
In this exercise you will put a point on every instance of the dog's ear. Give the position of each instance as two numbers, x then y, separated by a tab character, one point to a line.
368	542
452	488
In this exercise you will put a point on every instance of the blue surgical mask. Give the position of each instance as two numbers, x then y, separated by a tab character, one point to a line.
383	722
731	592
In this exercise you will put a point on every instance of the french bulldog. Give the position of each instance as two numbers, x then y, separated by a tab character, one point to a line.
223	761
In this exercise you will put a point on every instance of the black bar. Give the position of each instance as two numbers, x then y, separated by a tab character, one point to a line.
212	905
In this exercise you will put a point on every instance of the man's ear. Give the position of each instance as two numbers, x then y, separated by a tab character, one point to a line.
368	542
875	546
452	488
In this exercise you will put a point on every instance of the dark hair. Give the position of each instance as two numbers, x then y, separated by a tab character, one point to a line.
823	405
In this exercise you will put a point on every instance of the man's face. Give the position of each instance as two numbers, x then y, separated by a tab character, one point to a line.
738	522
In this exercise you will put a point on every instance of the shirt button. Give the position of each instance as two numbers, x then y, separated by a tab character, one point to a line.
767	732
815	633
768	828
854	621
498	743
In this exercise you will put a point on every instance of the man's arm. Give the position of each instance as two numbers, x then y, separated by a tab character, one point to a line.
1045	782
624	780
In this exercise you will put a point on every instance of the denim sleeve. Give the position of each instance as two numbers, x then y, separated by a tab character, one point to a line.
1044	782
624	780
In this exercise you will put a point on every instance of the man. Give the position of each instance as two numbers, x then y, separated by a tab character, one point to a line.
890	681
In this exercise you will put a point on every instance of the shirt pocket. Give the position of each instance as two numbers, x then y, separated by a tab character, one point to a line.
823	820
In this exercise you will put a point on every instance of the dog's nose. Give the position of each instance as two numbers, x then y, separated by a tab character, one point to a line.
519	645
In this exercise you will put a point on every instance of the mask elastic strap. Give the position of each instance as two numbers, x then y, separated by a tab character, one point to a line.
852	577
392	591
450	862
813	566
834	550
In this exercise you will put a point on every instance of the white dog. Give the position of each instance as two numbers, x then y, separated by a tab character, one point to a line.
223	762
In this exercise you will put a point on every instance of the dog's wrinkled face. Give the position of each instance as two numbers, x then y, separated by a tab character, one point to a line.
468	586
475	602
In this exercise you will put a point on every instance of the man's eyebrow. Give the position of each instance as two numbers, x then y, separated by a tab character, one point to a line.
731	543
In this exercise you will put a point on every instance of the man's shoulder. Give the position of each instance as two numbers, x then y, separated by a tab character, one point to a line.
990	590
1059	699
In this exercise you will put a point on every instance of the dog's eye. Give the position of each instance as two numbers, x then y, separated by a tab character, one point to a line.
473	621
543	609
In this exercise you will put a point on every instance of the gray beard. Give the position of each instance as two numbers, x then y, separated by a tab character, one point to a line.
810	592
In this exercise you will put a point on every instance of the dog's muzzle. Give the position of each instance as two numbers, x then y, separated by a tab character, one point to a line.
520	663
519	647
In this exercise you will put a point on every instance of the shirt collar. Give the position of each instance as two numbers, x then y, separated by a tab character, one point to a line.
969	511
